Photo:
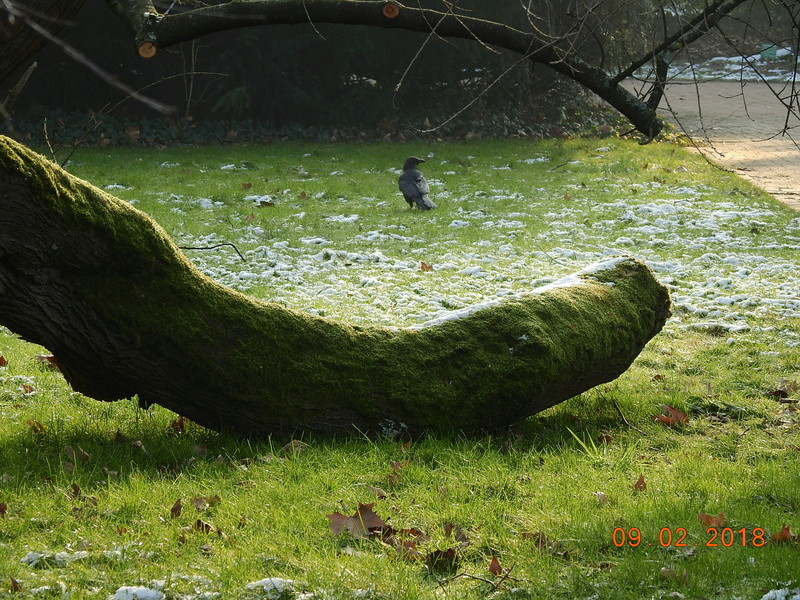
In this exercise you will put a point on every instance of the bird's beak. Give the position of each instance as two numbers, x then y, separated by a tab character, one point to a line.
422	160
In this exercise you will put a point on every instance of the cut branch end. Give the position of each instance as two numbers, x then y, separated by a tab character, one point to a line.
147	50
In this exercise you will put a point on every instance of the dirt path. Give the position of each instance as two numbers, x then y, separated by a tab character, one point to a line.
738	131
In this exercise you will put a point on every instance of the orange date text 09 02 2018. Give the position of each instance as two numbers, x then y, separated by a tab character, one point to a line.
716	537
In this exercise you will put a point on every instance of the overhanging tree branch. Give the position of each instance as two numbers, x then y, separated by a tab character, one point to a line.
166	30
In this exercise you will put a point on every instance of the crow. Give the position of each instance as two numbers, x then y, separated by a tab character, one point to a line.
413	185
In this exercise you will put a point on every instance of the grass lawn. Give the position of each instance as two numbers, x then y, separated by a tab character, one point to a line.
592	499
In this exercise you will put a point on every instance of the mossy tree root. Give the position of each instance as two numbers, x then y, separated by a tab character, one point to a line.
103	287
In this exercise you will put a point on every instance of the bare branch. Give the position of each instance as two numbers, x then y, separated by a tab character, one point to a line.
557	53
693	30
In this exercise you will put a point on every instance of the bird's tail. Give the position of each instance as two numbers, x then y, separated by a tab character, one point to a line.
425	203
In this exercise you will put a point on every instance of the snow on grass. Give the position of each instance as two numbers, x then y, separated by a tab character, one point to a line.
348	247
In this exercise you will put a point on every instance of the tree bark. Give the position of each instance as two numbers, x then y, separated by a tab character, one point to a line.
103	287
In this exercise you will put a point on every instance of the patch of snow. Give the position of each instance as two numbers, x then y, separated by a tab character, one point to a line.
342	218
785	594
314	241
130	592
274	587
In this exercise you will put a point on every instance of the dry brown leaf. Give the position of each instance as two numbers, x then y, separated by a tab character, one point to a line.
203	526
709	521
358	525
407	549
442	560
177	426
48	360
457	533
640	485
205	502
3	361
3	509
176	509
495	568
784	535
671	416
425	267
35	427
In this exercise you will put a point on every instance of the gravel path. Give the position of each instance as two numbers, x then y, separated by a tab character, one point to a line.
738	128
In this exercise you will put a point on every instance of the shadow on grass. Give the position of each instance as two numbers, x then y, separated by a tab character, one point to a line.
159	444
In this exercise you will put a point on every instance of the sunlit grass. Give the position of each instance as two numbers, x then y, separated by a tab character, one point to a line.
98	482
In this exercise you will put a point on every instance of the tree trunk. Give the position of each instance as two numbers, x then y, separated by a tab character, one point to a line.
102	286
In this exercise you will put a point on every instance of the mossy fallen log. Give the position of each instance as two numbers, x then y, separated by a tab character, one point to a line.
125	314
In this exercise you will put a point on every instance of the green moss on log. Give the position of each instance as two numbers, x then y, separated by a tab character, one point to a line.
135	317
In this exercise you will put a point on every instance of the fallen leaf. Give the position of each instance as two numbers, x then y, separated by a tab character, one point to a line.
27	390
68	467
48	360
540	540
176	509
3	361
177	426
205	502
203	526
495	568
784	535
358	525
15	586
709	521
423	266
3	509
35	427
671	416
457	533
407	549
246	185
442	560
640	485
74	492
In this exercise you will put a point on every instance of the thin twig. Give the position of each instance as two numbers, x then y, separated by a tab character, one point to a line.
625	420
